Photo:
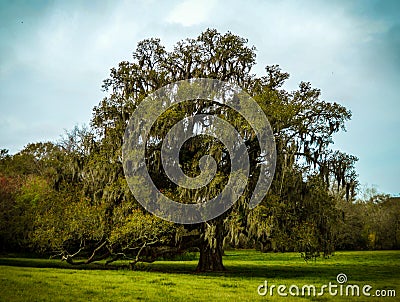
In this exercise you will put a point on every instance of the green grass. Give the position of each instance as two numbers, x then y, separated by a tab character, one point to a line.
23	279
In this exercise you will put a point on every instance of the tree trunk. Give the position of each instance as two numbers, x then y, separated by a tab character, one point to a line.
211	247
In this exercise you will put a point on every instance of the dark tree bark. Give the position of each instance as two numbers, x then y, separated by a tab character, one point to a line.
211	251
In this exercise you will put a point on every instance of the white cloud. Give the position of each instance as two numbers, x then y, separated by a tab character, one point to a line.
191	12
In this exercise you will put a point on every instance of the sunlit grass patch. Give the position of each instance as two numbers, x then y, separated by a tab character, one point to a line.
176	280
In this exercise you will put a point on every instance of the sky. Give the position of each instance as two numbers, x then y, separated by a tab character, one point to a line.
54	56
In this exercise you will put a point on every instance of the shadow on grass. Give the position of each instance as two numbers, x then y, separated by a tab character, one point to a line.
356	272
51	263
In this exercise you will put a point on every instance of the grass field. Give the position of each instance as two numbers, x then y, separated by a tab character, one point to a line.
23	279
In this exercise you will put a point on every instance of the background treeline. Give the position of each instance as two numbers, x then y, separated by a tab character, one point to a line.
70	198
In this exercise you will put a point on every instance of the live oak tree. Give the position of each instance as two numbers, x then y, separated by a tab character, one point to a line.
303	126
83	207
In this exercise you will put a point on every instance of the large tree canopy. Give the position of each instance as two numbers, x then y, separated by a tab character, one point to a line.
303	126
103	220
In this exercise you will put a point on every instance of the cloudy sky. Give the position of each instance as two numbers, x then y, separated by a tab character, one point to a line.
54	56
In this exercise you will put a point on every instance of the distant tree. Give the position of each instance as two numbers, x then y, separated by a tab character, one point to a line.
9	187
369	222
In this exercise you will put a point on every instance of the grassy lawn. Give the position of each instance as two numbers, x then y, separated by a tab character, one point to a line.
24	279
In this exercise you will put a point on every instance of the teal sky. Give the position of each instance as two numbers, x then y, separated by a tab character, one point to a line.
54	56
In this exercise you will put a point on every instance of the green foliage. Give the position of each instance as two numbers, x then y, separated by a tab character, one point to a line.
137	229
9	187
371	224
71	197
